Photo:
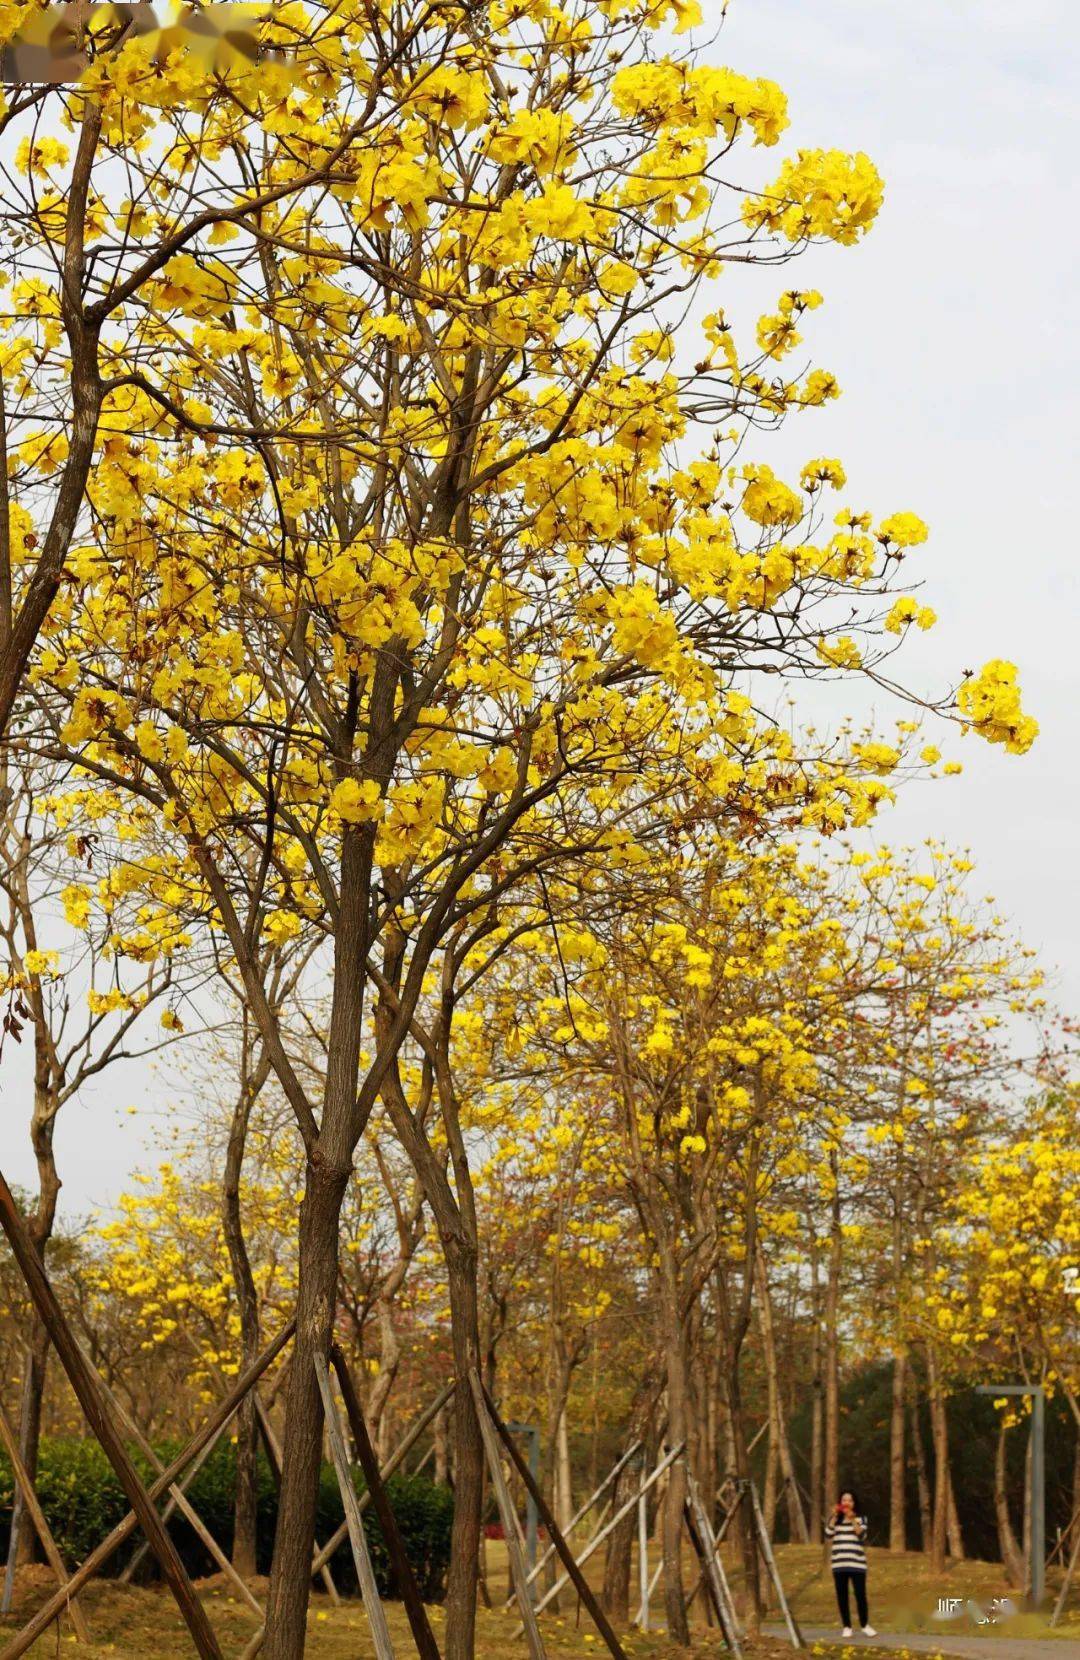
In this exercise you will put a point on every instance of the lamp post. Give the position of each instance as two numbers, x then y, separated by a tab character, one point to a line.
1037	1561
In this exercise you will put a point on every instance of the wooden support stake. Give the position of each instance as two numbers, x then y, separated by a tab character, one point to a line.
85	1384
1066	1582
179	1498
579	1515
566	1556
47	1613
770	1562
365	1573
129	1572
37	1516
643	1559
598	1538
704	1541
396	1459
650	1588
425	1461
509	1519
273	1458
426	1646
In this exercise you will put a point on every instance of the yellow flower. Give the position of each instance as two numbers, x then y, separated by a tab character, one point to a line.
356	801
820	193
990	704
76	903
560	214
281	926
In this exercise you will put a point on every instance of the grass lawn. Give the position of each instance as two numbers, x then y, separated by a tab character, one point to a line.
142	1624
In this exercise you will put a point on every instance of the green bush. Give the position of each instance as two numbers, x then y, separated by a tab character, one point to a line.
83	1501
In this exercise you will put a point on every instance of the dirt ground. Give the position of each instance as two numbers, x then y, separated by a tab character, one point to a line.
142	1624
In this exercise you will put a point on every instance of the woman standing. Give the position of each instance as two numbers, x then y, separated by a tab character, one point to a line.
847	1530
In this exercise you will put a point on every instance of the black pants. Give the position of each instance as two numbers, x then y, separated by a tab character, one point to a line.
844	1579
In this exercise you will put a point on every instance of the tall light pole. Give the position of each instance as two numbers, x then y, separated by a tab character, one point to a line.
1037	1561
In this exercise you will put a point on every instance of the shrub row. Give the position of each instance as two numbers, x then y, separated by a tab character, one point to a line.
83	1501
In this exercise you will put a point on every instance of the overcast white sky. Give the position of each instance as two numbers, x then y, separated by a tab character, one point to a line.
953	332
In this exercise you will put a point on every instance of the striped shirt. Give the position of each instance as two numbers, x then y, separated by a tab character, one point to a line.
848	1549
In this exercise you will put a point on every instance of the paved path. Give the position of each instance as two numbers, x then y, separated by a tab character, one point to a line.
967	1648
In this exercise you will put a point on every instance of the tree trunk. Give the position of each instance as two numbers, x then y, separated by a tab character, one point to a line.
290	1578
778	1435
676	1493
955	1536
832	1350
897	1455
461	1585
620	1545
442	1448
744	1521
817	1409
1011	1554
247	1427
40	1225
939	1429
21	1542
922	1478
564	1483
772	1464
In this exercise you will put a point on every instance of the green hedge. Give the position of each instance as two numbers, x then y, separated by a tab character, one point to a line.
83	1501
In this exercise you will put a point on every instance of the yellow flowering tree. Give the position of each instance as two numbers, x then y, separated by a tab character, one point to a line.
372	531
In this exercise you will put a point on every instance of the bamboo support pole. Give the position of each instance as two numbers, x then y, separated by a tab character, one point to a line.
41	1526
643	1559
365	1573
579	1515
85	1384
184	1483
179	1498
273	1456
598	1538
774	1573
396	1458
566	1556
123	1530
509	1520
653	1583
1066	1582
704	1541
423	1636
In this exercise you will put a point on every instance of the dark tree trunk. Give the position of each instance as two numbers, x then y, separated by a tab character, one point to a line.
40	1225
461	1585
832	1349
676	1491
620	1546
1011	1554
290	1578
939	1429
817	1410
897	1455
21	1540
922	1478
247	1428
